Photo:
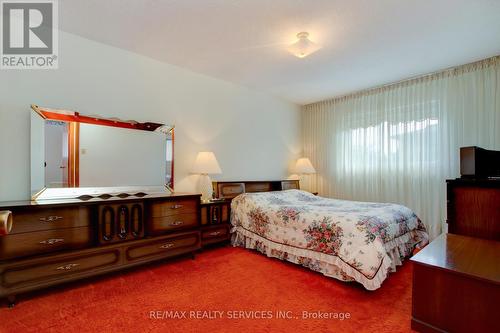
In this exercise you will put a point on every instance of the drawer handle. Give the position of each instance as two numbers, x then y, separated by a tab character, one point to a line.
52	241
50	218
176	223
67	267
167	246
177	206
215	233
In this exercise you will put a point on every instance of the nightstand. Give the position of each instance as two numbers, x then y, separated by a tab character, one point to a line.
215	221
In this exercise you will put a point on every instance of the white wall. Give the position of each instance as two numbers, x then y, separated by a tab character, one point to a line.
254	135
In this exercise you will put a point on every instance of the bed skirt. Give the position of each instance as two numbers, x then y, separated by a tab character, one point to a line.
331	265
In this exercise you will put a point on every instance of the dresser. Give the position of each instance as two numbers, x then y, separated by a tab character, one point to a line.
473	207
57	241
456	285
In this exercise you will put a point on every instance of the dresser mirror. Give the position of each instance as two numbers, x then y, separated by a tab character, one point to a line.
79	156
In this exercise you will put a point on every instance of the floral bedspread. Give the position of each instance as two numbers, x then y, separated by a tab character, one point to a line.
347	240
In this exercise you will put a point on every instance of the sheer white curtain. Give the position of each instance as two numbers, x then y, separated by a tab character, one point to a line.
399	143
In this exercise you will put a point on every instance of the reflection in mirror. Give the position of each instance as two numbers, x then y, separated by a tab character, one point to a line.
56	154
69	150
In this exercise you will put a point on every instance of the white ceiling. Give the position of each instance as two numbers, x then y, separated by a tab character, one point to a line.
365	42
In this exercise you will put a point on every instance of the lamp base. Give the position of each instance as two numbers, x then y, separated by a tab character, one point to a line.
205	187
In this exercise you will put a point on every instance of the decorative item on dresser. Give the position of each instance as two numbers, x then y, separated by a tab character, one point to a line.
56	241
456	285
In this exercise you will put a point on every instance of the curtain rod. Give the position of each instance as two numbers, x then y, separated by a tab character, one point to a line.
455	70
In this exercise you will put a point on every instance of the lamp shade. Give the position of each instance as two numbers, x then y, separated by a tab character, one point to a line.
206	164
304	166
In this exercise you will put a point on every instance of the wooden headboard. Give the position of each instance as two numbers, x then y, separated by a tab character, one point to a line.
230	190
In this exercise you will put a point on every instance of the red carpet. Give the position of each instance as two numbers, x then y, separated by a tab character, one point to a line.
224	279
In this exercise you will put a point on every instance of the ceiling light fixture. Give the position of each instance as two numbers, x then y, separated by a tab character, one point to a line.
303	46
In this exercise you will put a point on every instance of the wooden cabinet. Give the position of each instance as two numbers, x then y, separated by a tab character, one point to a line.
473	208
456	285
58	241
215	221
120	222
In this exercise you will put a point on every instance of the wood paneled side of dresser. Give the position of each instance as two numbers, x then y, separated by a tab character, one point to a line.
473	207
53	242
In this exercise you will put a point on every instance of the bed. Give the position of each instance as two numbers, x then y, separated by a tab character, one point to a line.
346	240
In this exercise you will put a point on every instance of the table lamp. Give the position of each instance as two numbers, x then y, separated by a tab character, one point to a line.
206	164
304	167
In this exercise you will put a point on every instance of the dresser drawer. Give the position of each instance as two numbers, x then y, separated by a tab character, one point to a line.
174	207
215	234
25	244
159	225
49	218
164	247
29	272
